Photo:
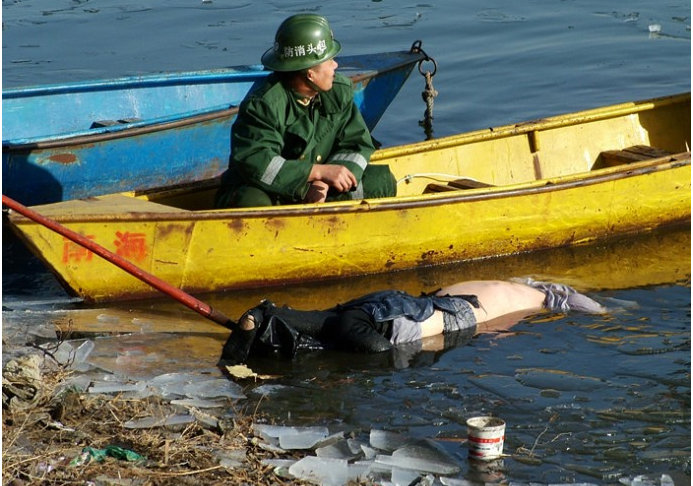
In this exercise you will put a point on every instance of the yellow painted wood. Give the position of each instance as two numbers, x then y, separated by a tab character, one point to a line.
550	190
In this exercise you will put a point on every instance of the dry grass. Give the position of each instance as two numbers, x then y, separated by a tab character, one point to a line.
43	433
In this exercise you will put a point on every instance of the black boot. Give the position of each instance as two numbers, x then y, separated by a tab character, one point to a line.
240	342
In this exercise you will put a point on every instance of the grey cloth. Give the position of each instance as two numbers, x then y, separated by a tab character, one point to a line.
406	330
461	320
563	298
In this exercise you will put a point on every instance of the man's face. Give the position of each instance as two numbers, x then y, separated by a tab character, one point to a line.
322	75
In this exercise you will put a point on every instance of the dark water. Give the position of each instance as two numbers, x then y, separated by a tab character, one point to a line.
586	399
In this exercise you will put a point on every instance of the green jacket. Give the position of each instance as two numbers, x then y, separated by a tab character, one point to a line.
275	140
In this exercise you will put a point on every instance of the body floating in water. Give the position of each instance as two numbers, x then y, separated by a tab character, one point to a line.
379	321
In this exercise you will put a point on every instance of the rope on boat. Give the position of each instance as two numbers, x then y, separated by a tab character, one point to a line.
436	176
429	92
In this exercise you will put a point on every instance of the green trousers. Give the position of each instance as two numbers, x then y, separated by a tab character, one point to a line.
377	181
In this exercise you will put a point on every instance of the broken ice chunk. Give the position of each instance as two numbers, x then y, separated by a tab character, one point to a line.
424	456
387	441
115	387
220	387
403	476
323	470
198	403
278	462
456	482
151	422
303	438
338	450
80	356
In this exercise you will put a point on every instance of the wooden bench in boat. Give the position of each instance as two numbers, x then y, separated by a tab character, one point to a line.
628	155
456	185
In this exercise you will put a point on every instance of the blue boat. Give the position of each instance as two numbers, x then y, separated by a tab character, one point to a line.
72	141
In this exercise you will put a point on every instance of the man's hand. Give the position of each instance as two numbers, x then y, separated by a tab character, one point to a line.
317	192
337	176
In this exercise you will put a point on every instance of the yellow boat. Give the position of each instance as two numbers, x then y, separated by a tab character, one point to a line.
541	184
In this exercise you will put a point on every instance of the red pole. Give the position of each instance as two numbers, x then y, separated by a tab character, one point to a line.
168	289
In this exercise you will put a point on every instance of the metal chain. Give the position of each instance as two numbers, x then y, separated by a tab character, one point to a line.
429	92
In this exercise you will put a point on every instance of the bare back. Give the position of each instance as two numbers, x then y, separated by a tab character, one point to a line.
498	298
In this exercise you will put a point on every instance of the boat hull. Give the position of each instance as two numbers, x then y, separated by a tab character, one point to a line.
173	128
578	201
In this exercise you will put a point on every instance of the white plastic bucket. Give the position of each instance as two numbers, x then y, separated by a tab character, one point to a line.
485	437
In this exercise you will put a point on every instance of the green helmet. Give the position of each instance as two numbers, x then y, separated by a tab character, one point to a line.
302	41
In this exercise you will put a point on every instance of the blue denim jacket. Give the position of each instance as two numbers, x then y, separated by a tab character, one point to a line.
385	305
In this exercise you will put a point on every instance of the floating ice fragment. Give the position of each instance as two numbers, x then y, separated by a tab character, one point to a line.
152	422
271	448
302	439
80	356
279	462
325	471
338	450
643	480
275	431
387	441
268	389
205	419
77	383
231	459
368	452
108	319
329	440
172	378
558	380
220	387
115	387
198	403
403	476
457	482
355	446
666	480
64	353
655	28
424	456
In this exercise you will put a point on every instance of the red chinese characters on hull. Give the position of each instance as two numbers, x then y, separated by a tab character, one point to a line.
132	246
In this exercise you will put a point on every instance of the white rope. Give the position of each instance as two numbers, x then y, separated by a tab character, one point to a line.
436	176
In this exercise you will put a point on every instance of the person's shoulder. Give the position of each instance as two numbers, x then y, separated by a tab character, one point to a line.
341	94
343	87
271	91
341	80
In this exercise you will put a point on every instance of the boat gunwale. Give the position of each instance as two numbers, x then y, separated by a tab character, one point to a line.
172	121
540	186
538	125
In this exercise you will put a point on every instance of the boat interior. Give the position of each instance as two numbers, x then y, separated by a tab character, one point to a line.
578	146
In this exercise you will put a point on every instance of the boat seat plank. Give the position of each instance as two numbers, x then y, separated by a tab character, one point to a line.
110	204
457	184
468	184
636	153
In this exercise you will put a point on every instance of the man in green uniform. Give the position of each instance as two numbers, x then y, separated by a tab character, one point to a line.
299	137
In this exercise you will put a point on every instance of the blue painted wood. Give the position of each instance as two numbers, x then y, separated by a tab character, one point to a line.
78	140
